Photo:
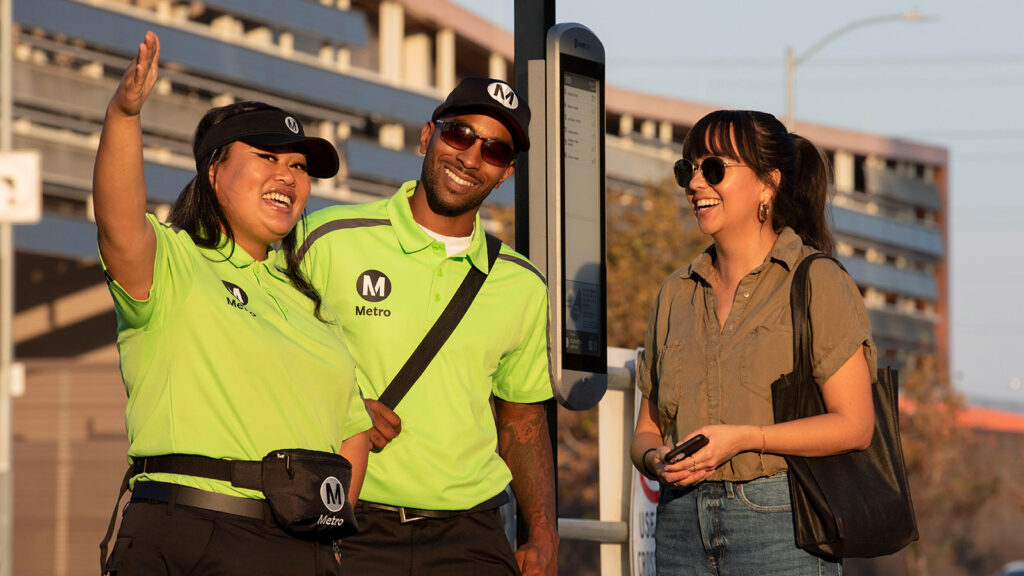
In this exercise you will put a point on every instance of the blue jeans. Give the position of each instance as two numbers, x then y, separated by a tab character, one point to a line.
732	529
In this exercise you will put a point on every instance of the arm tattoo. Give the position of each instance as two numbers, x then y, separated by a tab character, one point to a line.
525	445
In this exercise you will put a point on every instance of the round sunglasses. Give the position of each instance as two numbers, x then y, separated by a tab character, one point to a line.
712	167
461	137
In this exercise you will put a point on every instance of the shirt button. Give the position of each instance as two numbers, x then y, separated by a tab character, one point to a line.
746	294
714	362
437	297
731	328
440	273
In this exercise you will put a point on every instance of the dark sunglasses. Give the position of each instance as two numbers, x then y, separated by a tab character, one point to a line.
713	169
461	137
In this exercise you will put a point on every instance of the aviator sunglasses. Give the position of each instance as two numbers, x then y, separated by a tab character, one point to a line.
461	137
713	169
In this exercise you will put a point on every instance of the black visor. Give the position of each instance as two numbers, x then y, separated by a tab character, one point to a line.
270	127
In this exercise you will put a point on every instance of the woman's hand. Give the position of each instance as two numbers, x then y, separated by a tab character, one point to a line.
724	442
684	471
139	79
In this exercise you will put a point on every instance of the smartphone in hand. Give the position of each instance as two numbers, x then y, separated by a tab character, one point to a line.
686	449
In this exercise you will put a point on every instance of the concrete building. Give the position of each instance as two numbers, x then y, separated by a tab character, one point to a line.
364	74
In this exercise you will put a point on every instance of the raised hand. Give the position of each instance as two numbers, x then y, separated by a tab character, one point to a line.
139	79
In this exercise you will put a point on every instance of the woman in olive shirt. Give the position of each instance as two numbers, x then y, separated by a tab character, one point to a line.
720	334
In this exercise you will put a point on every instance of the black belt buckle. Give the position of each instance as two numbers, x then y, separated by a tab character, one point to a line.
405	518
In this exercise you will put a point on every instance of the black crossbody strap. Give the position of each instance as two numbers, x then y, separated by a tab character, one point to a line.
799	303
441	330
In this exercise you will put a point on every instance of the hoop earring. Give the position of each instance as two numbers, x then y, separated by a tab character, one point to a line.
762	212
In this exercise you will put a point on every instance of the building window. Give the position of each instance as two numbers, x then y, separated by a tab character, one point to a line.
859	178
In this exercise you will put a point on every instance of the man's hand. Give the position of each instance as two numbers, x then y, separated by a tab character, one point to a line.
386	424
538	560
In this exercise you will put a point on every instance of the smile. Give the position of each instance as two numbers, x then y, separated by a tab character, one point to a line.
278	199
458	179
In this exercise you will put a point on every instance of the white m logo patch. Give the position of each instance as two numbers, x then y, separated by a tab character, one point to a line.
332	493
503	94
237	293
373	286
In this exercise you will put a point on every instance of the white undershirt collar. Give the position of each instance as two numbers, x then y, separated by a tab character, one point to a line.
453	244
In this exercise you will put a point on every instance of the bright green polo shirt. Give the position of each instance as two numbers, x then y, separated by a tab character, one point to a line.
225	359
389	281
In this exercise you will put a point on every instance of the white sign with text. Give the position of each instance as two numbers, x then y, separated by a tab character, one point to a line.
643	512
20	187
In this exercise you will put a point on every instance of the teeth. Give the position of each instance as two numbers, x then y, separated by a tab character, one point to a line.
706	202
458	180
278	197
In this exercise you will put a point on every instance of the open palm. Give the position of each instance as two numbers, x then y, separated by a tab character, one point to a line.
140	77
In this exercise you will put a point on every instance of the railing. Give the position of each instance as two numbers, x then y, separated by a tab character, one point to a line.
616	413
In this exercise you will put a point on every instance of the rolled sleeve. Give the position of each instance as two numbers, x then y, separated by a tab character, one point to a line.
839	321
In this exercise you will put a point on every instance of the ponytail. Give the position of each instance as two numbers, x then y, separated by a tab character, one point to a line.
802	204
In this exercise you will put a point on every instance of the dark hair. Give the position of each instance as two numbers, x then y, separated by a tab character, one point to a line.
763	143
197	211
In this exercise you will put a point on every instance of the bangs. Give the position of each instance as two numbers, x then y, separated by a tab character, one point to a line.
725	133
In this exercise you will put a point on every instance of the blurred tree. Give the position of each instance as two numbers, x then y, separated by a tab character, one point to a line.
952	472
650	234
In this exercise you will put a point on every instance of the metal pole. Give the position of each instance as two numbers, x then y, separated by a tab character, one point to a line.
532	19
793	60
6	305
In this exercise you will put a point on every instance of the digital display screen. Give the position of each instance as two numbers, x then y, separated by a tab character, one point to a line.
583	219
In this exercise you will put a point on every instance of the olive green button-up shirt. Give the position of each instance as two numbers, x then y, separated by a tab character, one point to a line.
700	371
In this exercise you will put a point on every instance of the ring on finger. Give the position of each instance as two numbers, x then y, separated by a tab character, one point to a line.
693	465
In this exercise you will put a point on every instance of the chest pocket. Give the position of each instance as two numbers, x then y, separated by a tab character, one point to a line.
765	353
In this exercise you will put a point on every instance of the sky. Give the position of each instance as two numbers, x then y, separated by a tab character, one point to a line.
954	79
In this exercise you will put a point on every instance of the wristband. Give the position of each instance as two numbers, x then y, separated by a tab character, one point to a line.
643	462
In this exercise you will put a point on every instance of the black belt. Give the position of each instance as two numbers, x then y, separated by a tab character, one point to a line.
187	496
406	514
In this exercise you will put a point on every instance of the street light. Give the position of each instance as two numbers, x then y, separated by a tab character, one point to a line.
792	60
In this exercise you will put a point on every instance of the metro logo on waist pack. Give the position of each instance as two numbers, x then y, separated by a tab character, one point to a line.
307	490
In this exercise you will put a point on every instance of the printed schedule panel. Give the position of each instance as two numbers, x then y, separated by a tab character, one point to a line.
582	213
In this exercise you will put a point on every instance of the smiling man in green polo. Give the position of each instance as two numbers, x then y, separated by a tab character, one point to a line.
389	268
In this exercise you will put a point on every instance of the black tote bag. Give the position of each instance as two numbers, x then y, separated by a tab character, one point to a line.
855	504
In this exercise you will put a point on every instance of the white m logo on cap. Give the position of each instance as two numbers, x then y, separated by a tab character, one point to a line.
503	94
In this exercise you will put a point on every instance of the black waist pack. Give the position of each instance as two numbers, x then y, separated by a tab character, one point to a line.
307	492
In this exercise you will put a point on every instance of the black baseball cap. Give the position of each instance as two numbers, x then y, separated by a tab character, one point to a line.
269	126
478	95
